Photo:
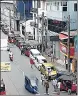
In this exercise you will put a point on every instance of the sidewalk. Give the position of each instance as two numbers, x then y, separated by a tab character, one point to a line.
59	64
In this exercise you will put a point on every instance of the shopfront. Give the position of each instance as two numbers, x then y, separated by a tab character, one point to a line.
64	47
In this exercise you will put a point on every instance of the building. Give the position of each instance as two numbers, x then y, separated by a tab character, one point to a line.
63	36
24	12
57	13
7	14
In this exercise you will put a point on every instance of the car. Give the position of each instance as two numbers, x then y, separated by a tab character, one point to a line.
39	60
48	70
2	88
31	84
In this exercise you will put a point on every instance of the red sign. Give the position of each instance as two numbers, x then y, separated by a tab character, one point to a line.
64	49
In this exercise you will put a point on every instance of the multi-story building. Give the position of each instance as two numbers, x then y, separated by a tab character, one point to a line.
57	13
7	14
23	8
26	12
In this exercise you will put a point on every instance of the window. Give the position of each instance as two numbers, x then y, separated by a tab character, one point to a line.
64	8
39	4
75	6
57	5
64	3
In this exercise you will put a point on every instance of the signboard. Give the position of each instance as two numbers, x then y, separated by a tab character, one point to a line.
5	66
64	49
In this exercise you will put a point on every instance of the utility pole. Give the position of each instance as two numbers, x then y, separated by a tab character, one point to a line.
46	28
68	27
42	31
10	20
24	20
37	23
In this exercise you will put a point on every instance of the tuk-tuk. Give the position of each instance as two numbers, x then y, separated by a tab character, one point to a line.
11	38
68	83
31	84
18	39
2	88
21	43
27	50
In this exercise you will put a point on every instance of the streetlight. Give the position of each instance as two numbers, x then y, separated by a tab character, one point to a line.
24	19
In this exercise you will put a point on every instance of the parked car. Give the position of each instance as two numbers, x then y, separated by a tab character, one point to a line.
31	84
34	53
39	60
48	70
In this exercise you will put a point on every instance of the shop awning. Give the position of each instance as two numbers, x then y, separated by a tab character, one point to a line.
62	36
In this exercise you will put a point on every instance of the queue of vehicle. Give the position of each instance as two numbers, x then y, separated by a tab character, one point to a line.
41	63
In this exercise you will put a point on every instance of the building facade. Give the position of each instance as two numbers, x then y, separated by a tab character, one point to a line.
58	11
7	14
20	8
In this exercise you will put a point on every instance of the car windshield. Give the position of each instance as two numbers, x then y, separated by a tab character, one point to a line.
35	55
50	69
33	83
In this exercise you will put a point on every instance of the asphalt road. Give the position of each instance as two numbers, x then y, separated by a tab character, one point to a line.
14	80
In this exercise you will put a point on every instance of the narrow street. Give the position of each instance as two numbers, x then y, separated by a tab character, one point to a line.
14	80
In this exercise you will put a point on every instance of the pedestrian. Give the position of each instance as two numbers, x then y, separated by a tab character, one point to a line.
21	50
58	85
54	83
46	84
31	62
42	78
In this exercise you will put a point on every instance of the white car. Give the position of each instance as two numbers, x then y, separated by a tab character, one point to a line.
39	60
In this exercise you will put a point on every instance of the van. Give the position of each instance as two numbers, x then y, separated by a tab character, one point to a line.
39	60
34	53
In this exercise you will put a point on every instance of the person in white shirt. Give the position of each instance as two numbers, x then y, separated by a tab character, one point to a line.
10	54
58	87
54	83
42	78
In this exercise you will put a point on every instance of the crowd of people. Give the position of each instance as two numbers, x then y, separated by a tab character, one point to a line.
55	84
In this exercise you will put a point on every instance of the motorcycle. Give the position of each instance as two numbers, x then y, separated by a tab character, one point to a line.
11	58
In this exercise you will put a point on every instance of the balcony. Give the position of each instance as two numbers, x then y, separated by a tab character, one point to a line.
34	10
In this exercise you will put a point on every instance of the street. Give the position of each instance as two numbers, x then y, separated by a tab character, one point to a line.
20	66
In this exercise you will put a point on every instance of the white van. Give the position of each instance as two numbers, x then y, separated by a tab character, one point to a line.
39	60
34	53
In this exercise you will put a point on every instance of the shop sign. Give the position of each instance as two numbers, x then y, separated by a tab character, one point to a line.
64	49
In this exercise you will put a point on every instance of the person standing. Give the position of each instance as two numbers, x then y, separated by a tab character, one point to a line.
42	78
58	85
46	84
21	50
54	83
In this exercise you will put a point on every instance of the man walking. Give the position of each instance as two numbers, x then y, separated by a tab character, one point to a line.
54	83
46	84
42	78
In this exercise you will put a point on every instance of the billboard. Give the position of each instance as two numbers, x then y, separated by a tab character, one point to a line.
64	50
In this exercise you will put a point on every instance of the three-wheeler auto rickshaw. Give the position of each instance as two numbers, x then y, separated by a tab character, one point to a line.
2	88
21	43
11	38
18	39
27	50
31	84
68	83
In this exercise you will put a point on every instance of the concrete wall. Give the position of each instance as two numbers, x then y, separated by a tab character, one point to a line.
5	14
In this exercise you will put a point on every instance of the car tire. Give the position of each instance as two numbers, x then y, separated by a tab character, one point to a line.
69	91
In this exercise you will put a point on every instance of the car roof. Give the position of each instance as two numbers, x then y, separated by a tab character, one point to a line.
47	64
40	57
34	51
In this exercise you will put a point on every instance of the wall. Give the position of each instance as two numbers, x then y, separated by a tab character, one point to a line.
28	6
54	13
5	14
